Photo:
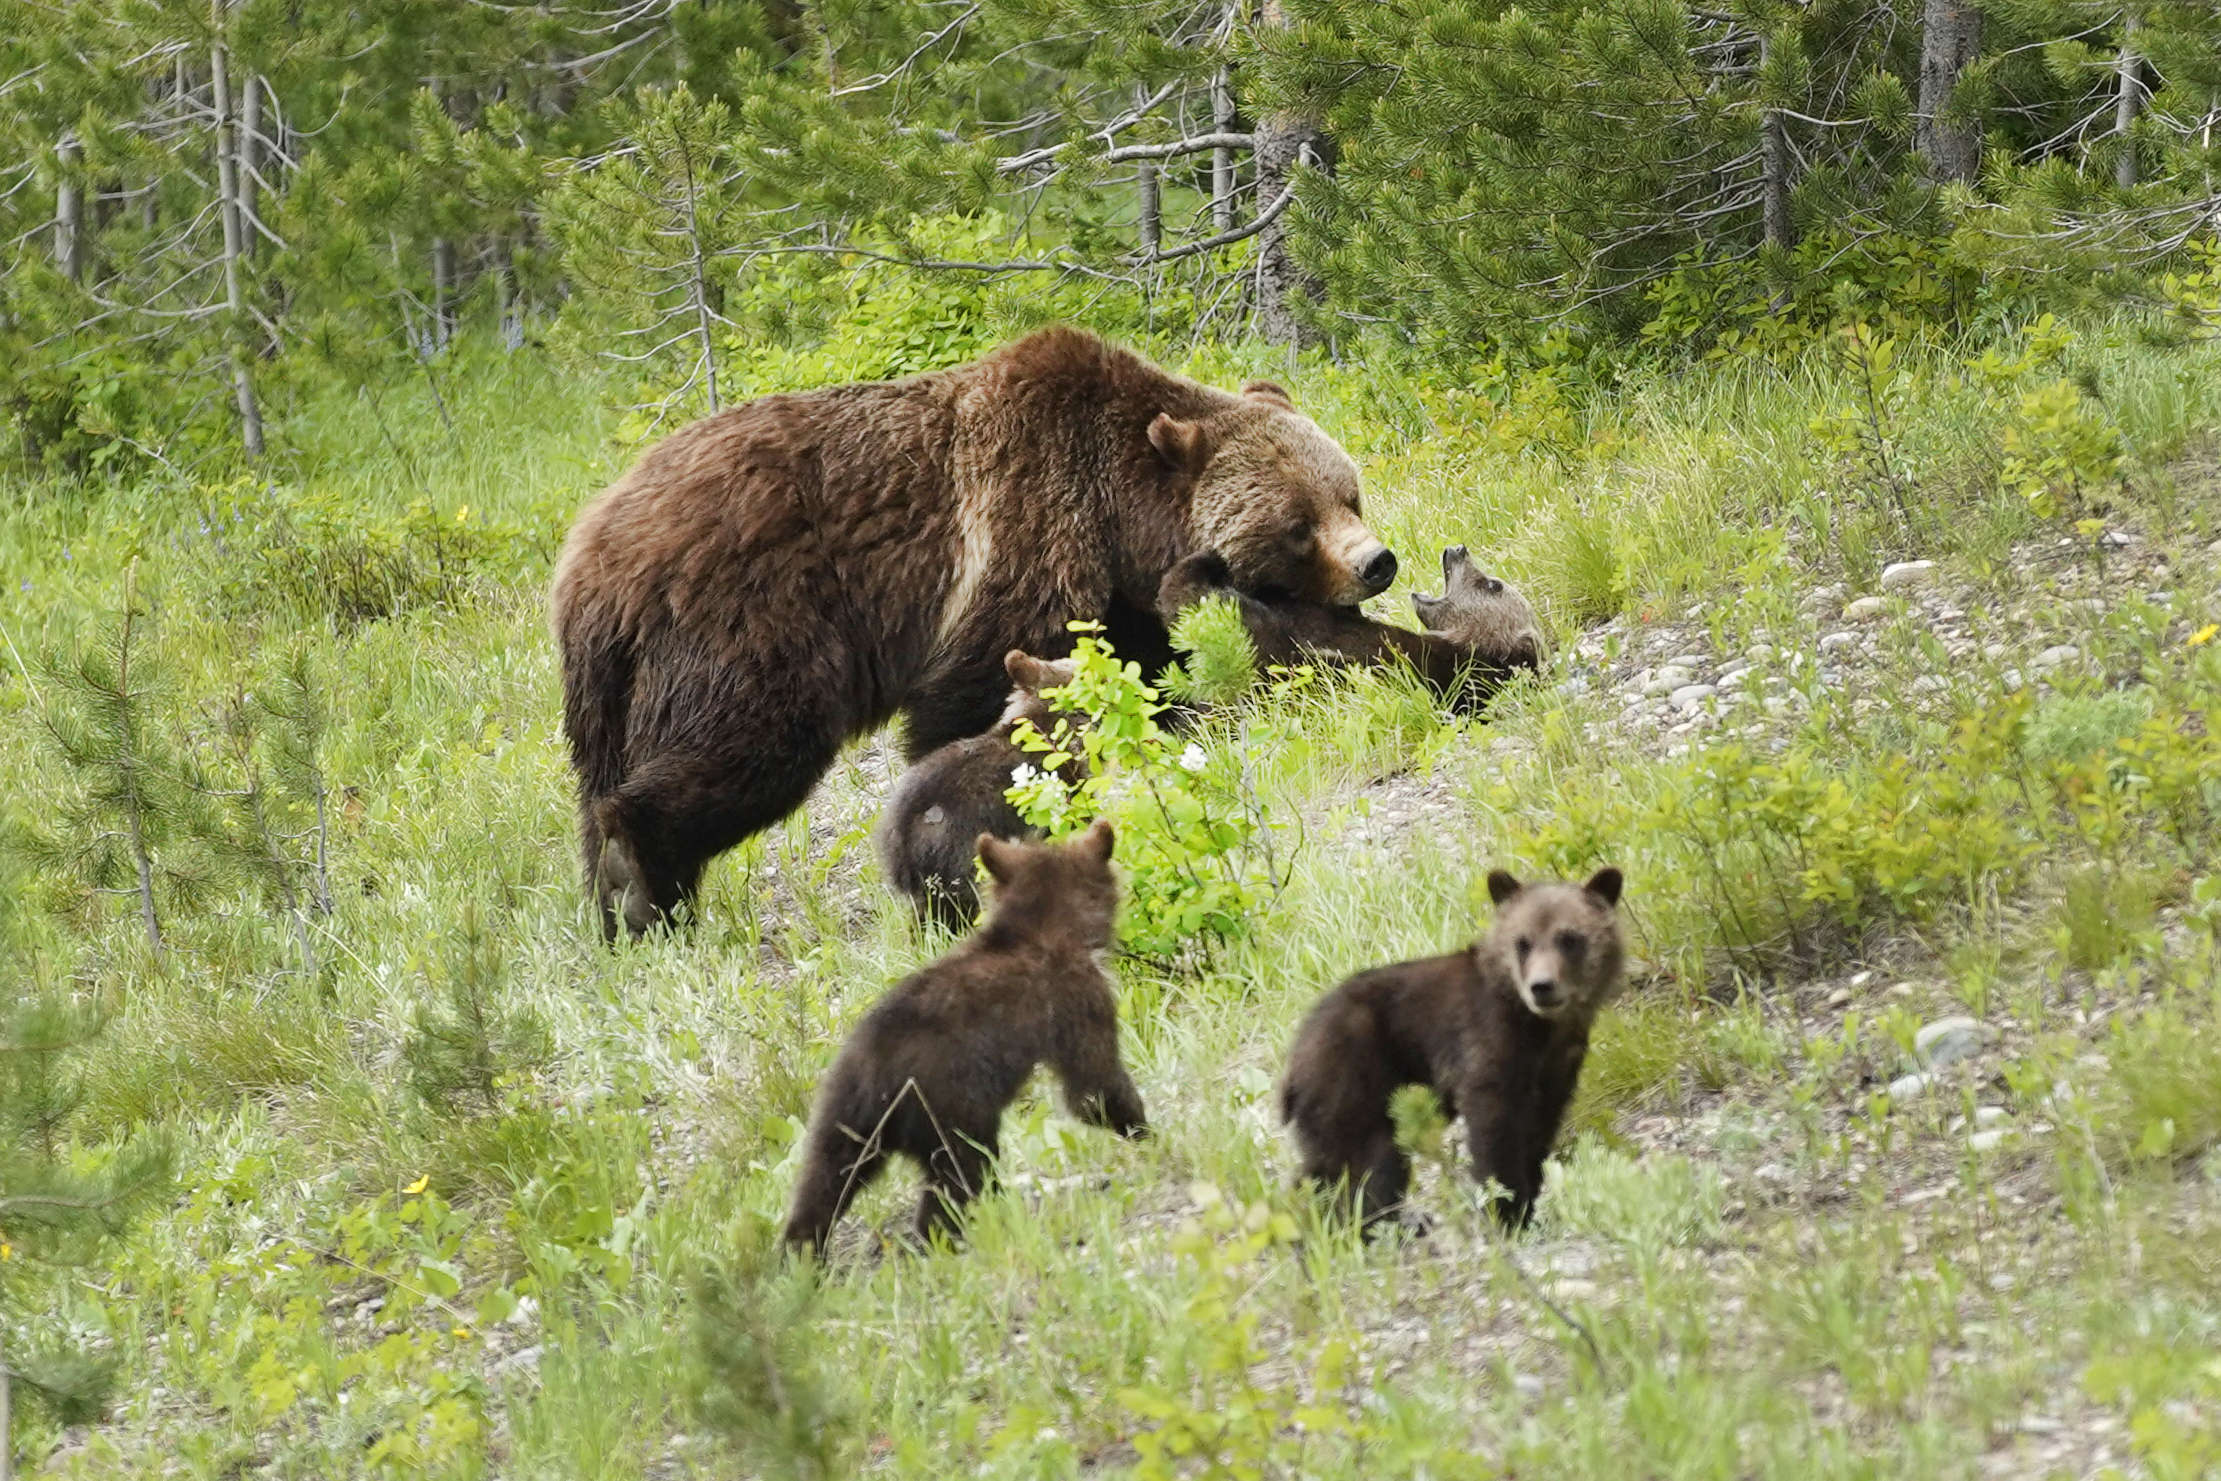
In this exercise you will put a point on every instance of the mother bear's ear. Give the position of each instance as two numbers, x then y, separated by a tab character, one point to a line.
1184	445
1271	391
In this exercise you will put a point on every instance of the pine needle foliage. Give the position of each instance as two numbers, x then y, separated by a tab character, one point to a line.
135	817
469	1040
60	1204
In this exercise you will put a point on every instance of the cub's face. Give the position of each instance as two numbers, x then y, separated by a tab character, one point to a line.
1480	611
1561	942
1056	886
1278	498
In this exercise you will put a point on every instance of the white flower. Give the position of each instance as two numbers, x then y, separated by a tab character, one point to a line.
1193	759
1022	774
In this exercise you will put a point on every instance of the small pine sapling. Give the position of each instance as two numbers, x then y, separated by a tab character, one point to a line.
278	841
470	1043
137	820
59	1204
758	1374
1221	666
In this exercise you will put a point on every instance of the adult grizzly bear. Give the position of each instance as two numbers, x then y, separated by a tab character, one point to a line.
779	577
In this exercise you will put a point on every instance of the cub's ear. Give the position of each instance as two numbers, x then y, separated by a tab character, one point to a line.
1271	391
1605	883
1096	842
1501	886
1184	445
1428	609
999	857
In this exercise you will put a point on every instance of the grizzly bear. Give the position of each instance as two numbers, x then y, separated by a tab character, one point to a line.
943	804
930	1070
786	574
1479	632
1497	1031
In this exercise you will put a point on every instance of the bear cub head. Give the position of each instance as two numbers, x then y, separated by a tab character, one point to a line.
1064	892
1278	498
1481	612
1559	942
1028	677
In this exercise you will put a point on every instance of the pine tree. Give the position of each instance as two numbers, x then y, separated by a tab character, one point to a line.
136	819
59	1203
467	1041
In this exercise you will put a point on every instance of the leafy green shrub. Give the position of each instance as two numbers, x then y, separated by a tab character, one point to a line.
1184	819
2071	727
320	556
2166	1066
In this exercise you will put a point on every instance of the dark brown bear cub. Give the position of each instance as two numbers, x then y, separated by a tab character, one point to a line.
927	835
1479	632
930	1070
1497	1031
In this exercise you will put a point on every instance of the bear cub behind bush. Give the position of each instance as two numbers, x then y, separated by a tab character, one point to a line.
933	1065
949	798
1498	1031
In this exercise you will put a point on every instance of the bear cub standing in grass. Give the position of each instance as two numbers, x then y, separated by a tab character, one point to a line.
943	804
932	1067
1498	1031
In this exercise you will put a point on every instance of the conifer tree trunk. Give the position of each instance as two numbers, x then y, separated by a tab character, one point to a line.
250	136
1950	40
69	213
227	191
1222	158
2127	101
443	292
1145	189
505	278
1777	164
1283	141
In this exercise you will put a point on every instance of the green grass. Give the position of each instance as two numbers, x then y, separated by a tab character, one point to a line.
1728	1278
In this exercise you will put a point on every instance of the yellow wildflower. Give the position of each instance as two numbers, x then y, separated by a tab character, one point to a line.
2204	634
419	1185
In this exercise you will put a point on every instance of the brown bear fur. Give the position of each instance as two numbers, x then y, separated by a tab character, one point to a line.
932	1067
928	834
786	574
1497	1031
1478	633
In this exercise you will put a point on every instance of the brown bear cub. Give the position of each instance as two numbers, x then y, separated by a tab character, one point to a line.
941	806
933	1065
1479	632
1498	1032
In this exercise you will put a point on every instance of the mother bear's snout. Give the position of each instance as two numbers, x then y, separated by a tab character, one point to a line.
1377	570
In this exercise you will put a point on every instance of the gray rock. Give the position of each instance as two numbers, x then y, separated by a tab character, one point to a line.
1689	696
1947	1041
1986	1117
1994	651
525	1360
1910	1087
1930	683
1759	652
1690	660
1835	641
1908	573
1864	608
2057	654
1988	1141
1666	678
